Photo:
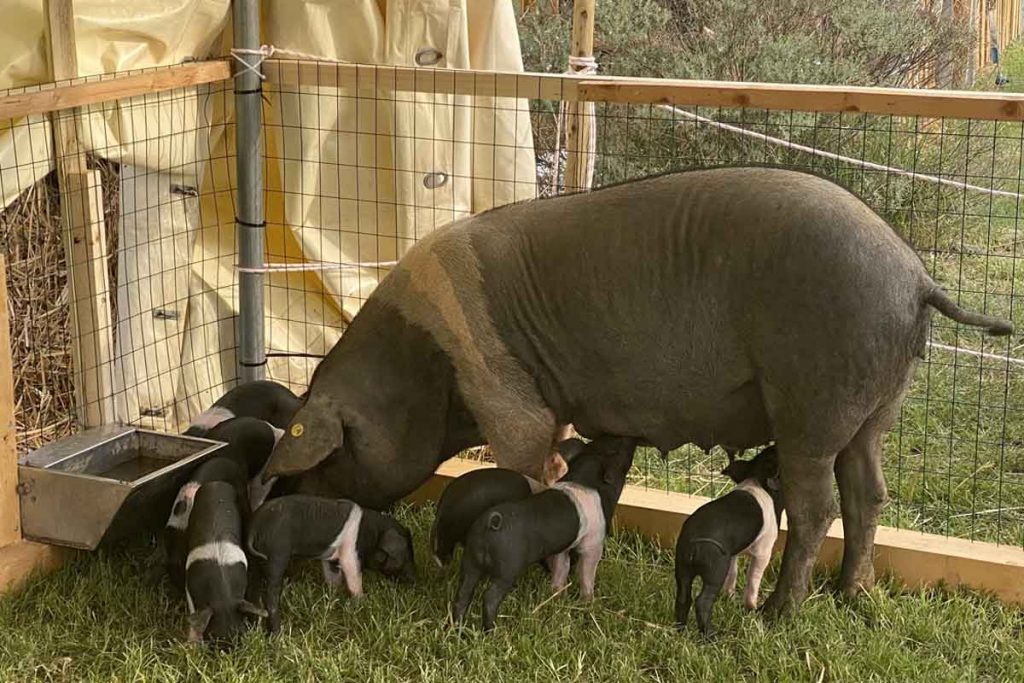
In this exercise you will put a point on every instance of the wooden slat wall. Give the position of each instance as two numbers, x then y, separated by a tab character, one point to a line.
1007	17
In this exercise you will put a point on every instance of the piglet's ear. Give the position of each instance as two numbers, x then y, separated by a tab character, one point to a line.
246	607
738	470
197	623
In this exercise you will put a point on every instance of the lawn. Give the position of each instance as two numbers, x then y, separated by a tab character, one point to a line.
98	619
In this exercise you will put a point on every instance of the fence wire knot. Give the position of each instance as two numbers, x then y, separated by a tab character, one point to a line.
264	52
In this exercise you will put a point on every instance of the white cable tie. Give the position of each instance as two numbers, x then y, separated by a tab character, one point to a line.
838	157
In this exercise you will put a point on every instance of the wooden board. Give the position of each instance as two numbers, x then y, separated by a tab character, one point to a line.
915	558
20	561
367	80
81	202
10	513
81	92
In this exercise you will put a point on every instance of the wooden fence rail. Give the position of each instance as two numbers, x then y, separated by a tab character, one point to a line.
368	79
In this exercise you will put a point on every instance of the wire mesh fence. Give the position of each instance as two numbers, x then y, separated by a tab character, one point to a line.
362	163
118	226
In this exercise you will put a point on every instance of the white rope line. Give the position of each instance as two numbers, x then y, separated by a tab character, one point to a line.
313	266
578	66
977	354
838	157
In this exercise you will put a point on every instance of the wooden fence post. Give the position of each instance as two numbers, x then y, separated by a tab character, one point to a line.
18	558
10	513
581	121
81	199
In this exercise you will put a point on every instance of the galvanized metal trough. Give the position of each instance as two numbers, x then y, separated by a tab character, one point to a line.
105	485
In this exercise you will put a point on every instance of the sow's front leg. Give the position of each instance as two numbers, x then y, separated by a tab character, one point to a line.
525	442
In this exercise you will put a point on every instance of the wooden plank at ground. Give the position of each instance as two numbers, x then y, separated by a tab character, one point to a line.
916	558
10	512
81	195
366	80
22	560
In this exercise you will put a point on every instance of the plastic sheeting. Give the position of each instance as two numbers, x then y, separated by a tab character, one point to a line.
350	179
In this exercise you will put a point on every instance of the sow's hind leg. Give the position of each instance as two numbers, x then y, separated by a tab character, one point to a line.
862	494
809	433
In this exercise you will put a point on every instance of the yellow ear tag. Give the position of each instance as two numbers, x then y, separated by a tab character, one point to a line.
297	430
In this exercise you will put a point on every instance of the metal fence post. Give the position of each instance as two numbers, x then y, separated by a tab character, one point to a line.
249	221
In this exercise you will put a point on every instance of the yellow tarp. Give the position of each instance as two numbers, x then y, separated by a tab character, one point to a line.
349	180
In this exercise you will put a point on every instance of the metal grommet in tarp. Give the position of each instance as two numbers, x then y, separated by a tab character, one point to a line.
434	180
428	56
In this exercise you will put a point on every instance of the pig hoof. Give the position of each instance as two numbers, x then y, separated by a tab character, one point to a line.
852	587
587	597
777	605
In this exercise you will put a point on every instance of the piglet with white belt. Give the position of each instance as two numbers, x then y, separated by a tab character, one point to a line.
744	521
345	537
572	516
216	569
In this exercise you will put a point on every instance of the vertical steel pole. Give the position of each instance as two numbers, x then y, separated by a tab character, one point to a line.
249	221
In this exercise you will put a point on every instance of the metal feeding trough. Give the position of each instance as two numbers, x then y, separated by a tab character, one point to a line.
105	484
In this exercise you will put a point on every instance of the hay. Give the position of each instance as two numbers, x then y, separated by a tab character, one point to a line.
38	304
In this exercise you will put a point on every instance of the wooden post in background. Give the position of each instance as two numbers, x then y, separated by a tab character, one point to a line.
580	118
81	200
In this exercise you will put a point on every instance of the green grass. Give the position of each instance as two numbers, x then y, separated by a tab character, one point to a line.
99	620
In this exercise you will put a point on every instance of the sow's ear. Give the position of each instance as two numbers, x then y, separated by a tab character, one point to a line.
315	432
197	623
